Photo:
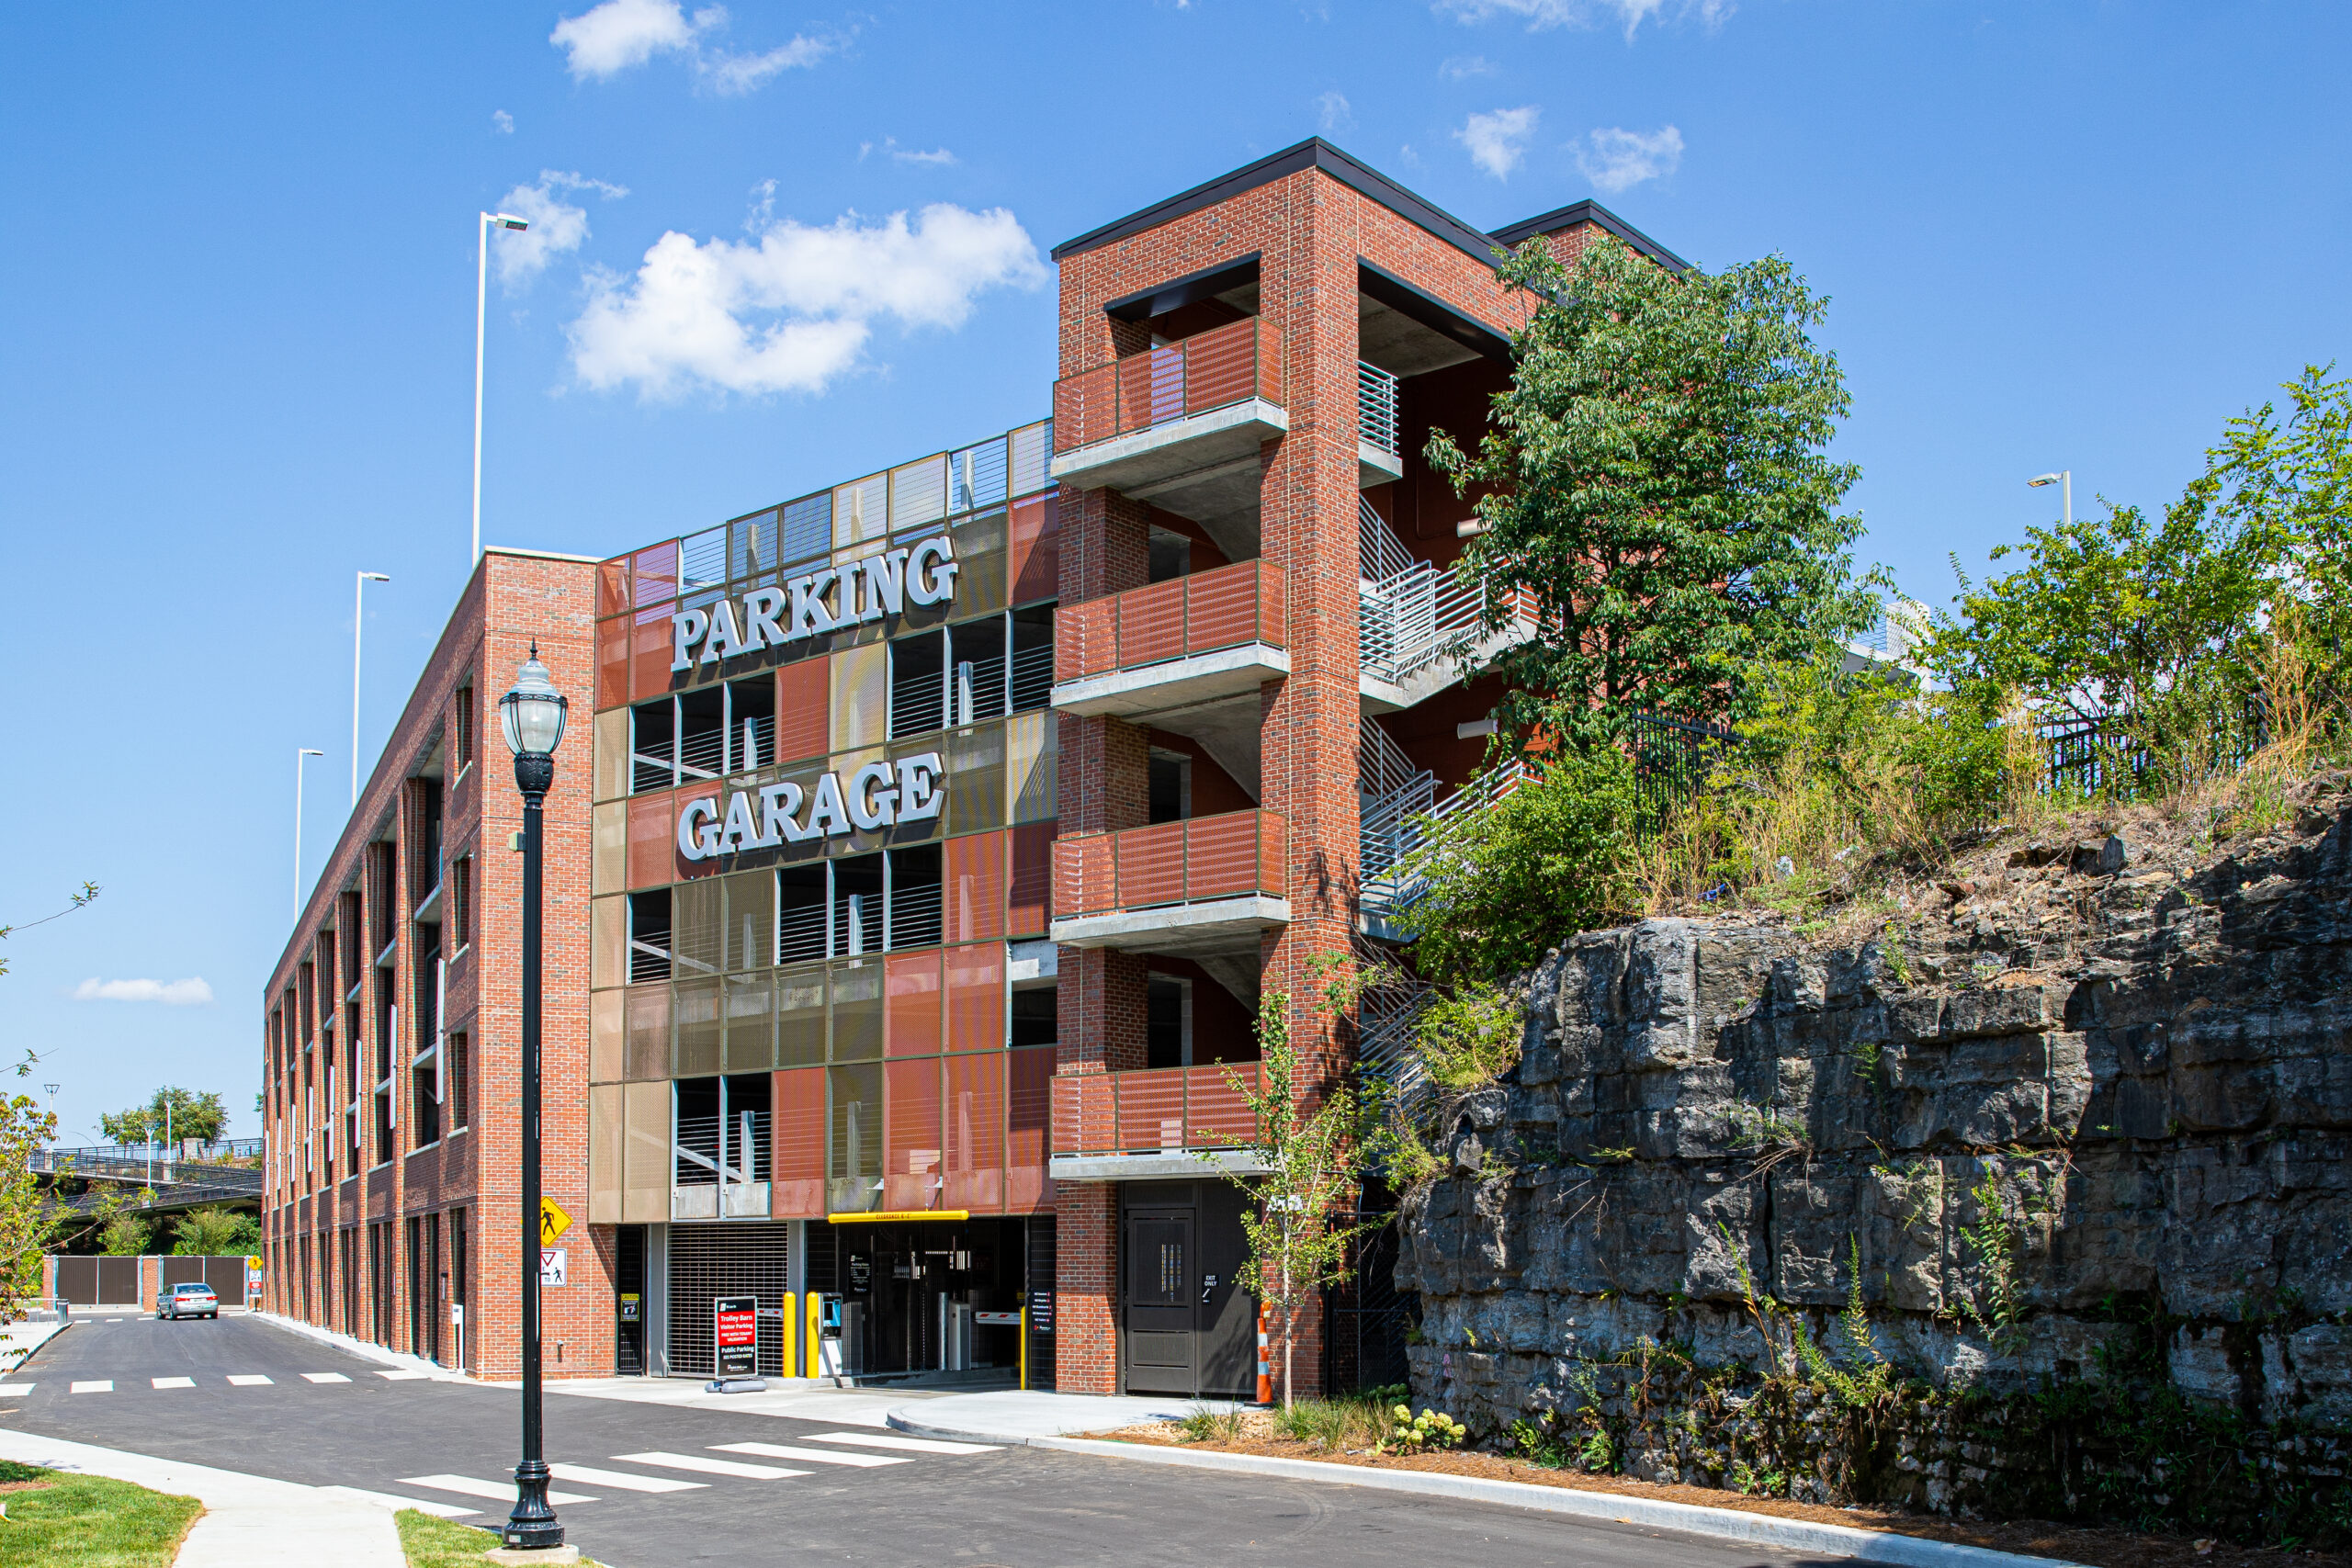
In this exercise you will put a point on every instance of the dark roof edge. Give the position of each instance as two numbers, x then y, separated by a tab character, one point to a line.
1206	284
1588	211
1313	152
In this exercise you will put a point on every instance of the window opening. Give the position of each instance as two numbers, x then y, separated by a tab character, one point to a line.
976	658
914	901
857	906
801	902
1036	1018
918	684
702	733
1170	785
649	936
1033	657
1167	1022
750	724
653	729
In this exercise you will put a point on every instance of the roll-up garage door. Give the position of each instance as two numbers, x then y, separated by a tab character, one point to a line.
725	1259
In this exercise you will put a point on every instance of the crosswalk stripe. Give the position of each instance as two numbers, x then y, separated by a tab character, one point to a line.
403	1377
393	1500
324	1377
710	1466
172	1383
912	1445
248	1380
15	1390
94	1385
621	1481
496	1491
813	1456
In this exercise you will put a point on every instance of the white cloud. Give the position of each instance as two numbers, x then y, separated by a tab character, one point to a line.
1540	14
938	155
796	308
502	122
1461	67
1334	112
1499	140
733	74
556	229
191	992
607	39
1615	160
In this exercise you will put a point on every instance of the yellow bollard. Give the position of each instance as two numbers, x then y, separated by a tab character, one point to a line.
1024	1346
815	1357
791	1329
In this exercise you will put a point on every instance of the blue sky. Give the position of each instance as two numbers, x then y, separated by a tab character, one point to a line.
236	322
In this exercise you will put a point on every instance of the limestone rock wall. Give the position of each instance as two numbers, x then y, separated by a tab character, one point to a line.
2126	1064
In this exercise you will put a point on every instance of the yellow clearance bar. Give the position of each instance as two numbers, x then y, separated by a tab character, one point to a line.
897	1217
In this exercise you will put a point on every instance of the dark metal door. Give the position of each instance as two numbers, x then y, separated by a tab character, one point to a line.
1159	1302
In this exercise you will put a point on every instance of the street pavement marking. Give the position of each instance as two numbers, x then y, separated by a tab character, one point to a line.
94	1385
172	1383
15	1390
393	1500
496	1491
403	1377
814	1456
622	1481
912	1445
324	1377
246	1379
710	1466
114	1320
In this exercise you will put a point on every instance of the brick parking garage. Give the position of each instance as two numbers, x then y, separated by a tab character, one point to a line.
933	842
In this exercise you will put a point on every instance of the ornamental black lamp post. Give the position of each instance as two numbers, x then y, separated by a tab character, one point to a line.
532	715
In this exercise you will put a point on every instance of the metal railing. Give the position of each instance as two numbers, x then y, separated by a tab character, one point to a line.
1383	554
713	1150
1153	1110
1376	408
1033	677
1227	365
1226	856
1184	615
1397	826
1424	615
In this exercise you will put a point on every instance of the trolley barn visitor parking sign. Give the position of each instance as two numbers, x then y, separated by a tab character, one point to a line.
735	1330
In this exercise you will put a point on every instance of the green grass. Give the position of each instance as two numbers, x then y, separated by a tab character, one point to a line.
87	1521
431	1542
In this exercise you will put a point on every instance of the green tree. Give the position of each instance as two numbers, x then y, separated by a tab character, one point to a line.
215	1232
125	1236
25	1208
1656	478
1306	1143
1552	857
191	1115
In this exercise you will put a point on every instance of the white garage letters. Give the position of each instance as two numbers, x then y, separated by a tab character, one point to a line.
863	589
877	795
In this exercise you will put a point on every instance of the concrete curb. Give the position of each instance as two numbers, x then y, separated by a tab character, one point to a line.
19	1341
1690	1518
362	1348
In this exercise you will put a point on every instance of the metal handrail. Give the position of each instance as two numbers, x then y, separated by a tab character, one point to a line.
1376	408
1176	619
1092	1112
1172	863
1227	365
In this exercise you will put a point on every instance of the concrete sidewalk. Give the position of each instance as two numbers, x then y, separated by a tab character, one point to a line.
1045	1421
249	1521
18	1340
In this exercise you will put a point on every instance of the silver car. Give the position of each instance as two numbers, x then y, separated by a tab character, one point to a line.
195	1300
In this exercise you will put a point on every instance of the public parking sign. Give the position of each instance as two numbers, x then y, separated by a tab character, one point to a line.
735	1330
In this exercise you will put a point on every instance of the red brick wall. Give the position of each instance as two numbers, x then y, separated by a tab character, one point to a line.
1309	230
510	601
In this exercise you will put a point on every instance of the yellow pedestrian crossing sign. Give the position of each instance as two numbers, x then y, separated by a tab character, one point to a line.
553	1220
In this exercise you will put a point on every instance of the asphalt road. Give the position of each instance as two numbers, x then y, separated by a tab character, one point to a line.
1013	1508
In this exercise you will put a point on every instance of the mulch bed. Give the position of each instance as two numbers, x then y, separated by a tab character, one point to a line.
2033	1537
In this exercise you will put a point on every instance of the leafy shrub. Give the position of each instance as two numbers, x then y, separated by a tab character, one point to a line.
1431	1432
1469	1036
1553	856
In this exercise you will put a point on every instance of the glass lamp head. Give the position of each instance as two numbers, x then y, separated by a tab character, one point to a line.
532	712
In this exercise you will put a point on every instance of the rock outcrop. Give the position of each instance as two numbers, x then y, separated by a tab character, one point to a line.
2095	1103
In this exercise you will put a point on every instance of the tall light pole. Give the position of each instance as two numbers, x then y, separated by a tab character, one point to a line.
299	755
2063	477
531	715
358	590
481	299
